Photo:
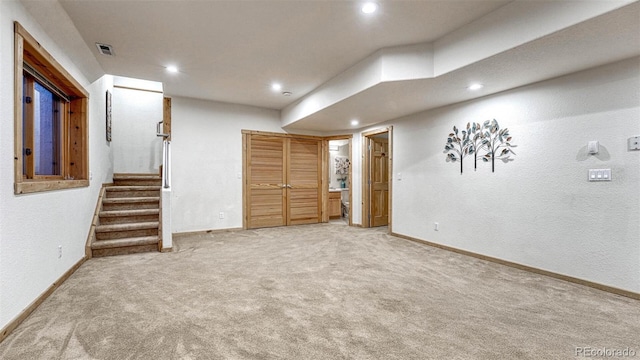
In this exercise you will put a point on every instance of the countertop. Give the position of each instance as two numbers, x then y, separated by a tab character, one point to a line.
338	189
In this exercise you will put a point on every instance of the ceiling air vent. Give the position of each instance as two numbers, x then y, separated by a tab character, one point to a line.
105	49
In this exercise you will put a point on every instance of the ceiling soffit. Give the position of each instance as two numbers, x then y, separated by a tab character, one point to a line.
331	107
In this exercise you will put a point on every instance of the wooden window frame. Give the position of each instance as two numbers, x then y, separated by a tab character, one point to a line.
74	167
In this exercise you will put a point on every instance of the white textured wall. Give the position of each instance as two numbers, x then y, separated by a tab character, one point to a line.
207	161
135	114
538	210
100	150
33	226
356	181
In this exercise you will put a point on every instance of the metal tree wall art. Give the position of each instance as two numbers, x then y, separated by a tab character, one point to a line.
458	147
477	138
494	140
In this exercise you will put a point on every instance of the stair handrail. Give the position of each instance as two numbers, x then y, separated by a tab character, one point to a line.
166	163
159	132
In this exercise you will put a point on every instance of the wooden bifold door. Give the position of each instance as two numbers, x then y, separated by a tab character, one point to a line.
282	176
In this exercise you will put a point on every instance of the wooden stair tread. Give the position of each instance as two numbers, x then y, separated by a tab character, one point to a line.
134	212
128	226
133	187
130	200
125	242
136	176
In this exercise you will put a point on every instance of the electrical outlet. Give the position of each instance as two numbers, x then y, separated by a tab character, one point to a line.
436	226
221	215
59	251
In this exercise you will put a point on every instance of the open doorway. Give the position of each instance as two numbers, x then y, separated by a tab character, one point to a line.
339	180
377	165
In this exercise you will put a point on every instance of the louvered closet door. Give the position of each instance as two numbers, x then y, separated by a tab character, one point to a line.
266	188
304	192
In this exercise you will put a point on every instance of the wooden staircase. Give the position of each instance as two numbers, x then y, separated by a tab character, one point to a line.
129	216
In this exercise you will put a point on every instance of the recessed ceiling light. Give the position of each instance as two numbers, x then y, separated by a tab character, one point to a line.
286	93
475	87
369	8
354	122
276	87
172	69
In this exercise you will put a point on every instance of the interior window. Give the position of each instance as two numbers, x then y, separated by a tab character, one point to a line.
51	137
42	124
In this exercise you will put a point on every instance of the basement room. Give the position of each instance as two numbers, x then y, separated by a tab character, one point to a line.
323	179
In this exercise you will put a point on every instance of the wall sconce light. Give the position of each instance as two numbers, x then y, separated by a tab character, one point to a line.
593	147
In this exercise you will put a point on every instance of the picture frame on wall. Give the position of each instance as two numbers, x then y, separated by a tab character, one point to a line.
108	116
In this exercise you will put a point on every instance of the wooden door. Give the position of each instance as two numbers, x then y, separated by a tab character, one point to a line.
282	181
266	181
379	181
304	189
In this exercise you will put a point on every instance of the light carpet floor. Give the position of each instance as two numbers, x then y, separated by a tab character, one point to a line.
321	291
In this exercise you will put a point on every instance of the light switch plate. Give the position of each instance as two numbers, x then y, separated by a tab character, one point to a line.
634	143
599	175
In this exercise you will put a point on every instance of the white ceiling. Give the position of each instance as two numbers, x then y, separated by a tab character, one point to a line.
232	50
